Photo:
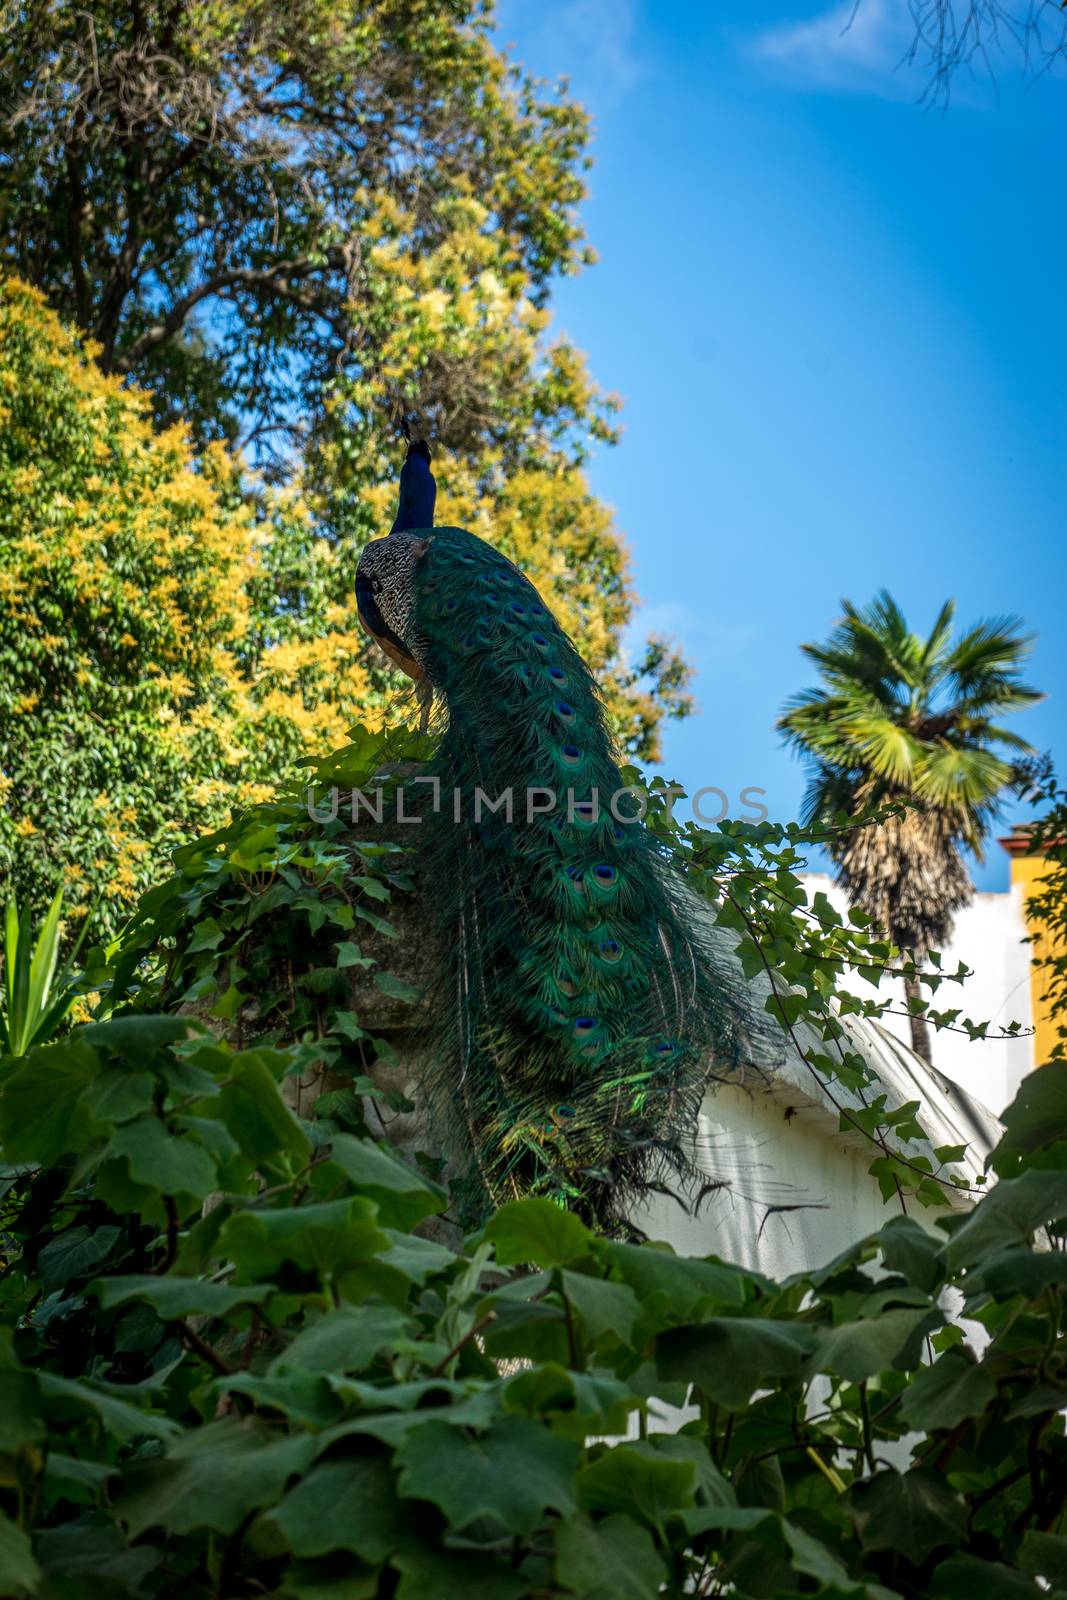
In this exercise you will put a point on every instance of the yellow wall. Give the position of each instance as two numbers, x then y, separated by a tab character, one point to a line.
1027	871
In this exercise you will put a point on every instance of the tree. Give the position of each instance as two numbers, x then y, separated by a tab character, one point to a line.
290	220
902	720
174	638
954	35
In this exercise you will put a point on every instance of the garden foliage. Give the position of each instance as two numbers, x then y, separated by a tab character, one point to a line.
236	1361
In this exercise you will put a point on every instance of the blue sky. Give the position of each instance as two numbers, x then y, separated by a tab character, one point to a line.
837	323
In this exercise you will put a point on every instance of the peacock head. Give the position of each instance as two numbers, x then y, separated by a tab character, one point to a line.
418	490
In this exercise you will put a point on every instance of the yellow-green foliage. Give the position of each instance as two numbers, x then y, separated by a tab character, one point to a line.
174	637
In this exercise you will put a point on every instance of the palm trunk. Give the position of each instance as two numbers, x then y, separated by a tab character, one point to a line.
920	1030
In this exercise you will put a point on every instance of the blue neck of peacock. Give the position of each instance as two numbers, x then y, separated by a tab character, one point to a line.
418	491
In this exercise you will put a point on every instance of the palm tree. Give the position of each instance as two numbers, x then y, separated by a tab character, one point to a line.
902	719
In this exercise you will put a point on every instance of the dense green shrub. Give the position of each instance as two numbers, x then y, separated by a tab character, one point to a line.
236	1360
231	1366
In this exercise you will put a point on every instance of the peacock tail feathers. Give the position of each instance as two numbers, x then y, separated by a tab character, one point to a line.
575	1012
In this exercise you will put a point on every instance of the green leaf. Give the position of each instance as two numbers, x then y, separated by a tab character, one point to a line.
1012	1210
120	1417
172	1297
614	1559
446	1575
346	1340
137	1038
678	1285
729	1357
74	1253
965	1577
304	1397
913	1512
1044	1555
19	1572
513	1473
350	955
253	1110
164	1162
537	1231
1036	1118
638	1480
942	1394
603	1307
1019	1271
119	1094
396	988
402	1195
908	1248
329	1580
82	1562
207	935
857	1350
574	1404
21	1421
42	1115
213	1477
350	1504
328	1237
812	1558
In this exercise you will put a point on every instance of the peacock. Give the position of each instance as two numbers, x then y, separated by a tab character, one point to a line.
576	1011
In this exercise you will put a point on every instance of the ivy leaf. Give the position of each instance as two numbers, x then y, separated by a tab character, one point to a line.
913	1512
82	1562
255	1113
396	988
207	935
402	1195
537	1231
118	1095
513	1473
574	1404
118	1416
1036	1118
856	1350
729	1357
163	1162
329	1237
964	1577
1019	1271
614	1559
1044	1555
213	1477
908	1248
74	1253
345	1505
812	1558
19	1572
350	955
603	1307
174	1297
138	1038
346	1340
679	1285
638	1480
1013	1210
42	1114
941	1395
427	1574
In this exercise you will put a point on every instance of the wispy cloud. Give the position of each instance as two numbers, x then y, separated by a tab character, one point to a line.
857	47
591	42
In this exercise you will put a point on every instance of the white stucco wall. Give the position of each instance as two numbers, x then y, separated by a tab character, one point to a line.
988	938
772	1154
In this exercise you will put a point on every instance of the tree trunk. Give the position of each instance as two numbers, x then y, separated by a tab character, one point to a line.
920	1030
